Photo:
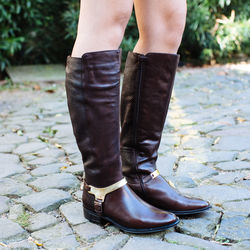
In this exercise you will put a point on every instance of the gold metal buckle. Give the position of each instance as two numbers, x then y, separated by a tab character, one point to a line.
100	193
155	174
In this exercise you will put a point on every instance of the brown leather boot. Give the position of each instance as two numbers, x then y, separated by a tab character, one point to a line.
147	87
92	87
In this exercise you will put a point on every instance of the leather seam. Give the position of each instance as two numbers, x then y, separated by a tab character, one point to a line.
138	97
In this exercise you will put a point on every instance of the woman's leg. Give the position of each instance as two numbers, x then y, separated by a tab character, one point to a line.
92	87
161	24
101	25
146	92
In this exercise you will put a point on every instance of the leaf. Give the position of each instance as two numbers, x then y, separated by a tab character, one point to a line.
36	87
58	145
240	119
63	168
3	245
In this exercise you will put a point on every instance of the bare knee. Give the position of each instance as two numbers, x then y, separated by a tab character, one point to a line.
118	23
109	26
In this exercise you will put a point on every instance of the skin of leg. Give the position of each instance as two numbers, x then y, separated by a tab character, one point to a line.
161	24
101	25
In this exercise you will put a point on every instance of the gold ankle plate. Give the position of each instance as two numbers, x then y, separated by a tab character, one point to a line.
155	174
100	193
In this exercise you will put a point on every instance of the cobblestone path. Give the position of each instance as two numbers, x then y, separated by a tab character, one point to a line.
205	152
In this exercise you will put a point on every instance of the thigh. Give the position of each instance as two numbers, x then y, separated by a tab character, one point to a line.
155	16
100	13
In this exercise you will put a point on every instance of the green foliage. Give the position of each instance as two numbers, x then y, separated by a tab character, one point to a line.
130	37
70	18
43	31
30	32
23	219
233	38
213	33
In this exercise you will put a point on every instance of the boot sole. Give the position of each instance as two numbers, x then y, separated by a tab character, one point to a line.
190	212
102	220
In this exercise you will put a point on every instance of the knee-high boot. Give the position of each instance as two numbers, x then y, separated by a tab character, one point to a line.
147	87
92	87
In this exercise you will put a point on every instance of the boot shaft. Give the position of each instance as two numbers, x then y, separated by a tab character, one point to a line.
147	88
92	87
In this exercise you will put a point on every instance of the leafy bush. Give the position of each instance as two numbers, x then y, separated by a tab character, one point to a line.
233	38
30	32
43	31
213	33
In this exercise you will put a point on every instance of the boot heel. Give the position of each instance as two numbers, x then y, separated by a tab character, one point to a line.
93	217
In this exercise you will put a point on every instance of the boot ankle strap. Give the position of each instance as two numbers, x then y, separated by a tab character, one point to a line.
100	193
151	176
155	174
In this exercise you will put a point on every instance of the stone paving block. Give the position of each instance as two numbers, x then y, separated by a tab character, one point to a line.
164	148
61	119
7	148
152	244
61	181
205	127
9	159
12	139
4	204
233	165
217	194
78	195
234	226
42	161
201	225
11	231
195	170
74	169
28	157
235	131
63	130
89	232
190	142
46	200
73	212
7	170
182	181
243	245
50	152
215	156
13	188
165	164
58	231
40	221
48	169
226	178
237	206
233	143
76	158
170	140
244	156
23	177
15	211
183	239
23	245
70	148
66	242
29	147
111	243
